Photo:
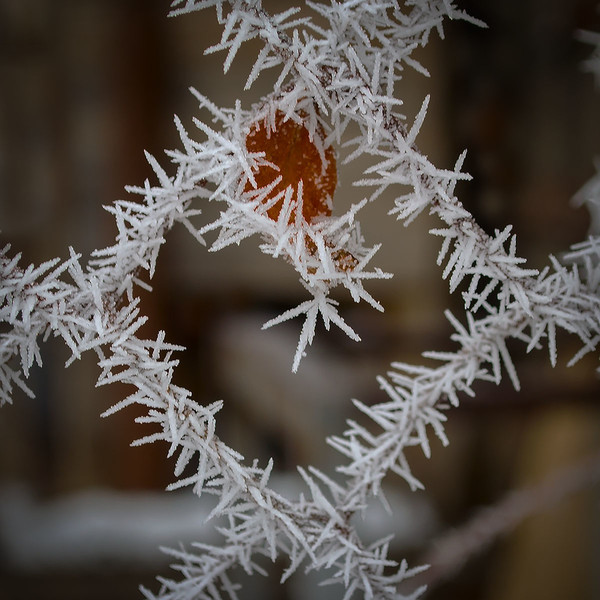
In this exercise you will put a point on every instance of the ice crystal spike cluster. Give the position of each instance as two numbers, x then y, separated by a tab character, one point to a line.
333	78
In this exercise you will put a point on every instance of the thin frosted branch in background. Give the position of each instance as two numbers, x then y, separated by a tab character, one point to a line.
451	551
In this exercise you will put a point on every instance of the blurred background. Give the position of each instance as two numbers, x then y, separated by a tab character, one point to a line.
85	87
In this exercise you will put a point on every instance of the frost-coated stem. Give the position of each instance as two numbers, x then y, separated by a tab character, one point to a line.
332	80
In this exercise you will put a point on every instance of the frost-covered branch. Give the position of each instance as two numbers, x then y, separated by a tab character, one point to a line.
419	395
274	169
329	78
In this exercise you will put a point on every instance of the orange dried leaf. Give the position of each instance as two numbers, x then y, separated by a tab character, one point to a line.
289	147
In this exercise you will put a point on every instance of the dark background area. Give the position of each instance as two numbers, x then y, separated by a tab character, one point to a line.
87	85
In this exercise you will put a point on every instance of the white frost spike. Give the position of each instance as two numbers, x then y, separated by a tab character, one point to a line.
312	308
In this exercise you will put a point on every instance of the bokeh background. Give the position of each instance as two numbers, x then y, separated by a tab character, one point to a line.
85	87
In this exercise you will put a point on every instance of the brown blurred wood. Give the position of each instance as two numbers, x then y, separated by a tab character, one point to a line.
551	555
